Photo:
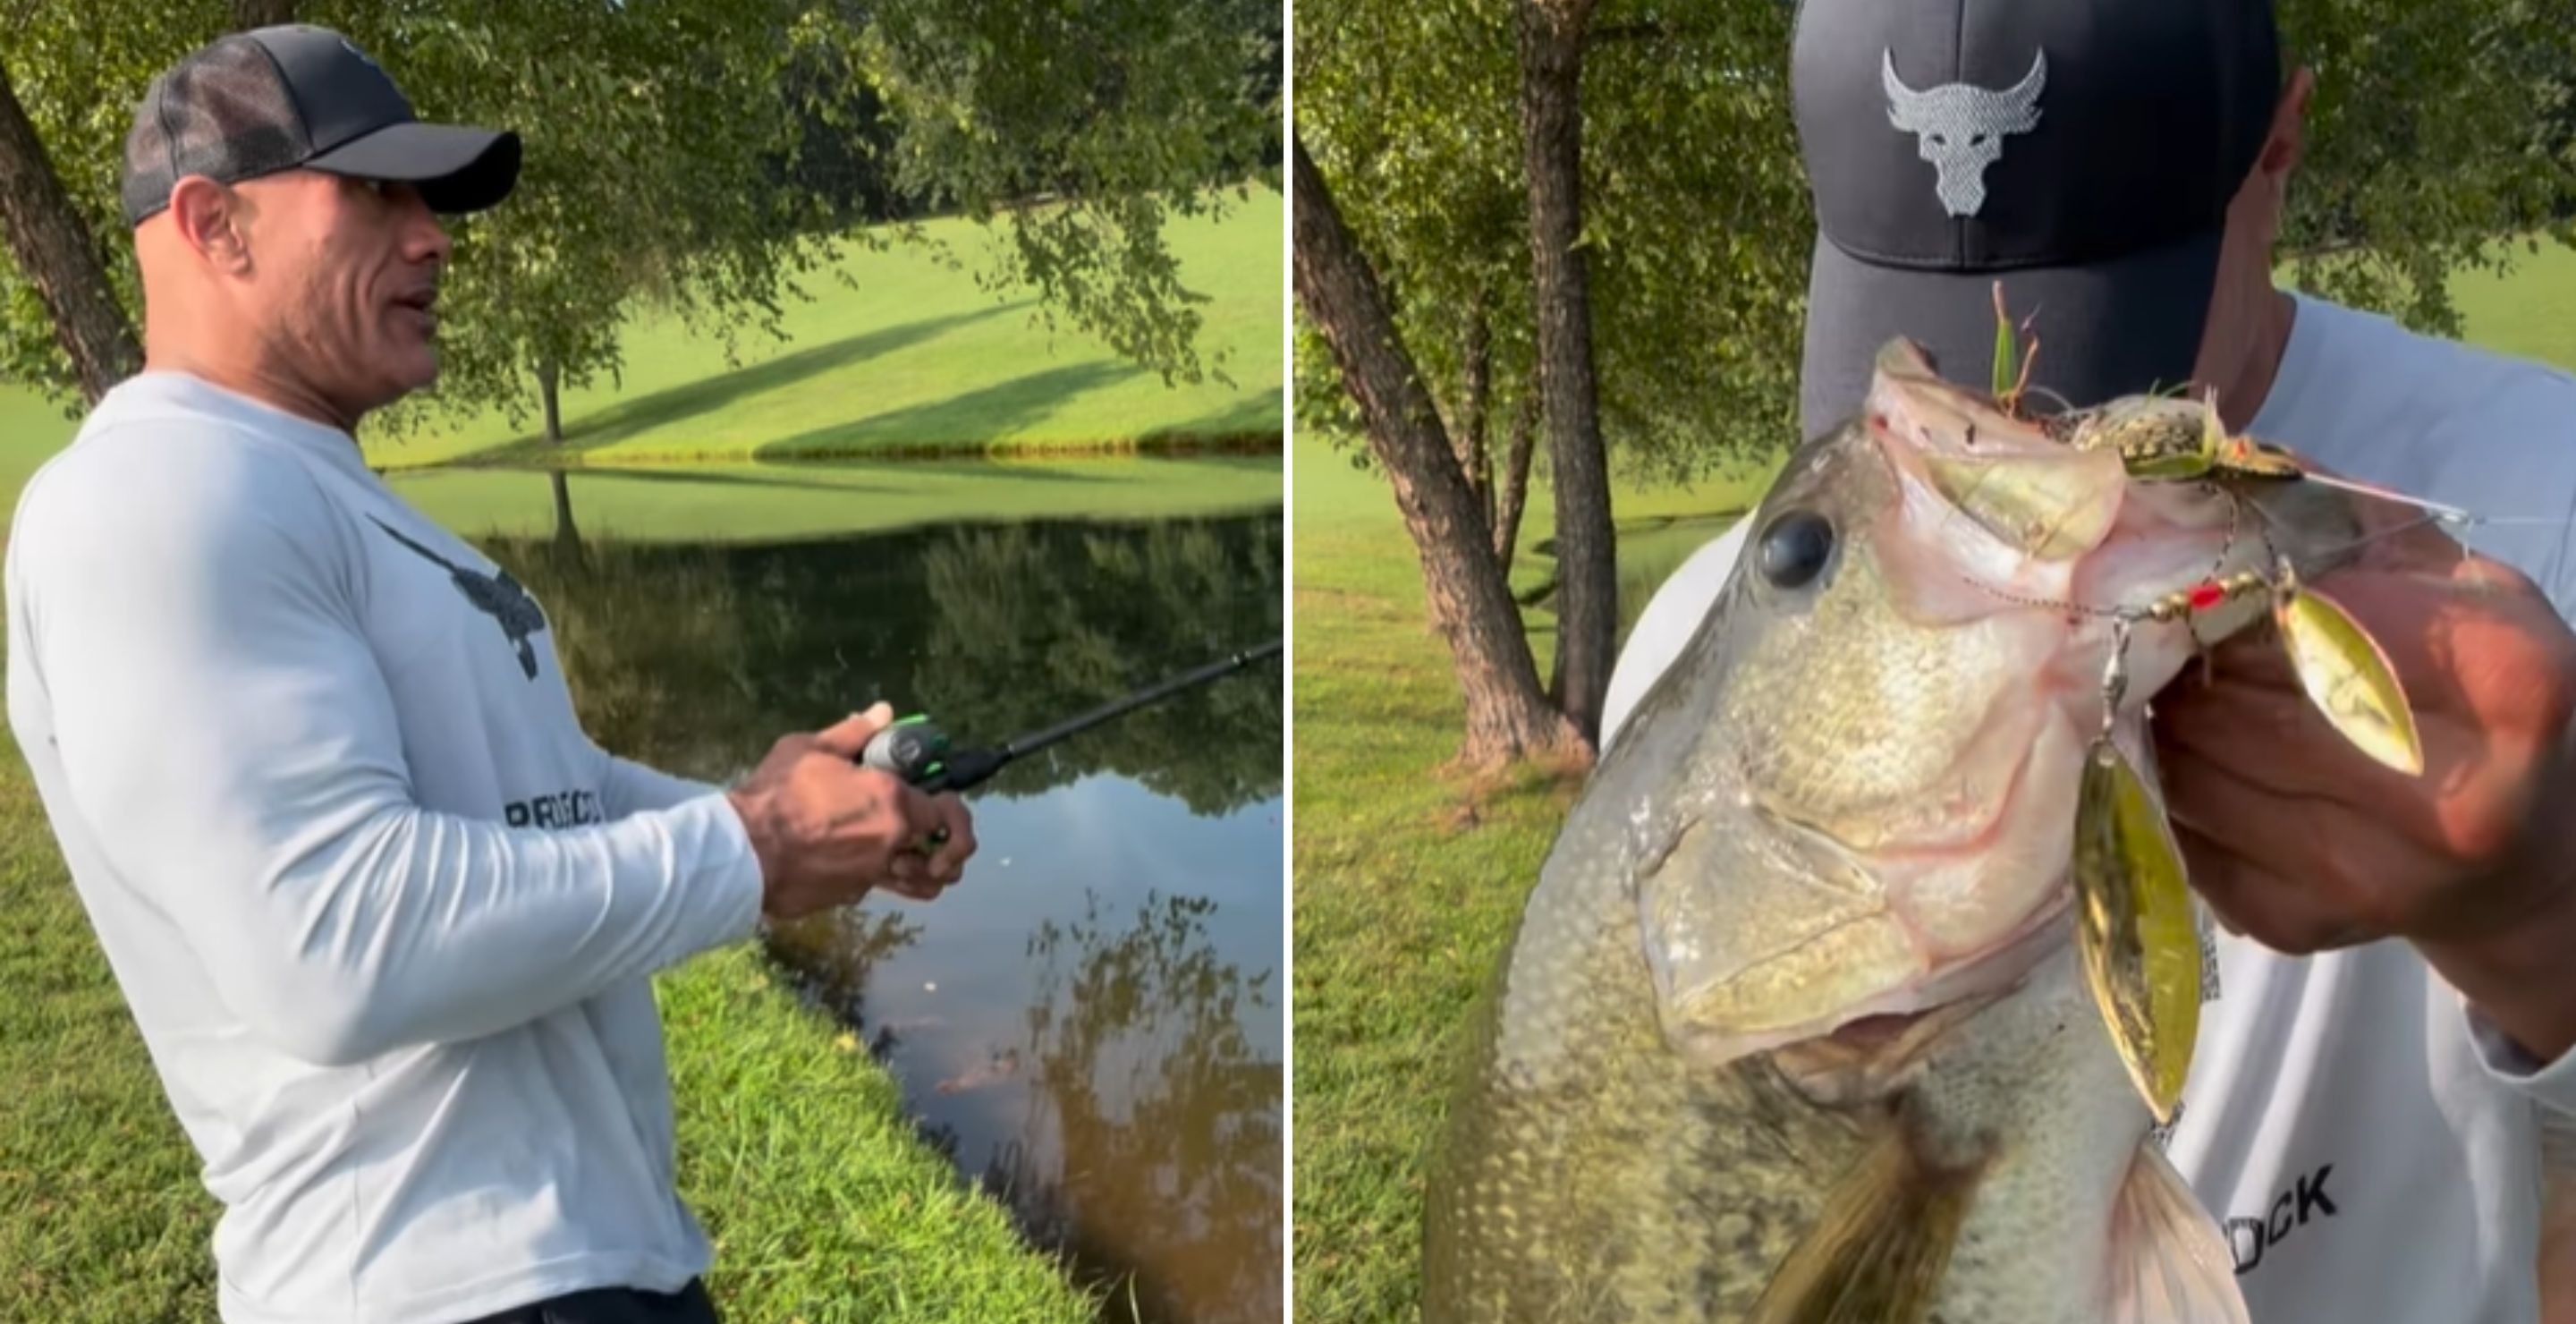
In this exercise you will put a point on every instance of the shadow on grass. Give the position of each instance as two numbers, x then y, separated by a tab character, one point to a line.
783	476
993	469
971	417
1252	416
630	418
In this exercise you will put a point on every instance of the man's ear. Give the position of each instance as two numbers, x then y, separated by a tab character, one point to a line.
2286	144
211	219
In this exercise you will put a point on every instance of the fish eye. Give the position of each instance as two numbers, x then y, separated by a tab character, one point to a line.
1795	548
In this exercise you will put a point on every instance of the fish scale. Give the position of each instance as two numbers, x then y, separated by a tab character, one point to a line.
1718	1150
1718	1077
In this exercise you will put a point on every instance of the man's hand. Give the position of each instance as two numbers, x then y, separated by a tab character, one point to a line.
2304	843
827	830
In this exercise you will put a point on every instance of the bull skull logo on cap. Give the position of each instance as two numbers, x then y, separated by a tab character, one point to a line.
1960	127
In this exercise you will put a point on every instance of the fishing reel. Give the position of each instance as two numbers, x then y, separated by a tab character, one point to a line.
919	752
915	750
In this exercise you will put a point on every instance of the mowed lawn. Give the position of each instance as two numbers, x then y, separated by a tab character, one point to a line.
911	354
723	501
779	502
1407	882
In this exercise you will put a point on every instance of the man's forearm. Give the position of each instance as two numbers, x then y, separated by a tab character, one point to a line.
629	787
407	927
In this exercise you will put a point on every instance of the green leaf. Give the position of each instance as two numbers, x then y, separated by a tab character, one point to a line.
2006	371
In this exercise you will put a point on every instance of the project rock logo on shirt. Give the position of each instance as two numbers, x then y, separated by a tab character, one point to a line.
496	595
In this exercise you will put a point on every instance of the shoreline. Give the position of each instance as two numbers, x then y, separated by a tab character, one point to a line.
859	1218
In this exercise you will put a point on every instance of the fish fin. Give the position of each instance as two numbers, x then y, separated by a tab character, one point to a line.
1878	1253
2169	1263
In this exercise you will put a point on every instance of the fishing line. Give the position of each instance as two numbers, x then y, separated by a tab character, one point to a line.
2065	407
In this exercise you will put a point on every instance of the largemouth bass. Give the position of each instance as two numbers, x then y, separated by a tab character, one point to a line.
1794	1025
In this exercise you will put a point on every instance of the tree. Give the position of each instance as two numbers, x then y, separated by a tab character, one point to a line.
1551	54
47	233
249	14
2429	147
1430	121
663	164
73	75
1077	128
52	246
645	175
2438	141
1471	606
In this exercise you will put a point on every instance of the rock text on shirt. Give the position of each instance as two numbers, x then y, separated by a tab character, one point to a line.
2306	1198
562	809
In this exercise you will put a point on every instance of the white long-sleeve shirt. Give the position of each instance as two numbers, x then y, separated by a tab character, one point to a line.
2367	1141
385	916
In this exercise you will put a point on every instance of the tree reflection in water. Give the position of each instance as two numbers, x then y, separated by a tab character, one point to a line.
1135	1123
1150	1112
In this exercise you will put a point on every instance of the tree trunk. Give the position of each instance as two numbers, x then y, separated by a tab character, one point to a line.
549	377
1473	455
1471	607
567	538
51	245
1551	49
249	14
1515	489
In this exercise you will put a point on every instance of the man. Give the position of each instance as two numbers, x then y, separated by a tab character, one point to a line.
385	916
2393	1001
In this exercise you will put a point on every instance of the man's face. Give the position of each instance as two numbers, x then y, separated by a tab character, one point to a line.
342	275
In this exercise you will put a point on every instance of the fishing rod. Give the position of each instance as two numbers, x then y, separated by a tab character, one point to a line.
919	752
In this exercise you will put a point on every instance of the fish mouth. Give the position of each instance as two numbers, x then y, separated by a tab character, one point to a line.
1895	961
1891	1013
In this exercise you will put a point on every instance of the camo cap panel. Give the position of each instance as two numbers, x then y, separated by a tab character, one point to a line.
224	113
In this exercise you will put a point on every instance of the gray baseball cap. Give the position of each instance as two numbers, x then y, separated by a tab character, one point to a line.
2083	152
301	97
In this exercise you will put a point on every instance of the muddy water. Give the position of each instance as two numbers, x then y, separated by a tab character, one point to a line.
1091	1023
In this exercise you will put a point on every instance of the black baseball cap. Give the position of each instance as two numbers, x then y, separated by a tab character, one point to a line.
2083	152
301	97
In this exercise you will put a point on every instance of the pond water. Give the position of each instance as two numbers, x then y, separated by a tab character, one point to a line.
1091	1023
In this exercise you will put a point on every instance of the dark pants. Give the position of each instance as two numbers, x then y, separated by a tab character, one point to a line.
615	1305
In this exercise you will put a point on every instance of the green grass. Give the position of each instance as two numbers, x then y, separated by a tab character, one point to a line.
823	1203
1406	882
722	503
2529	312
794	1152
916	356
